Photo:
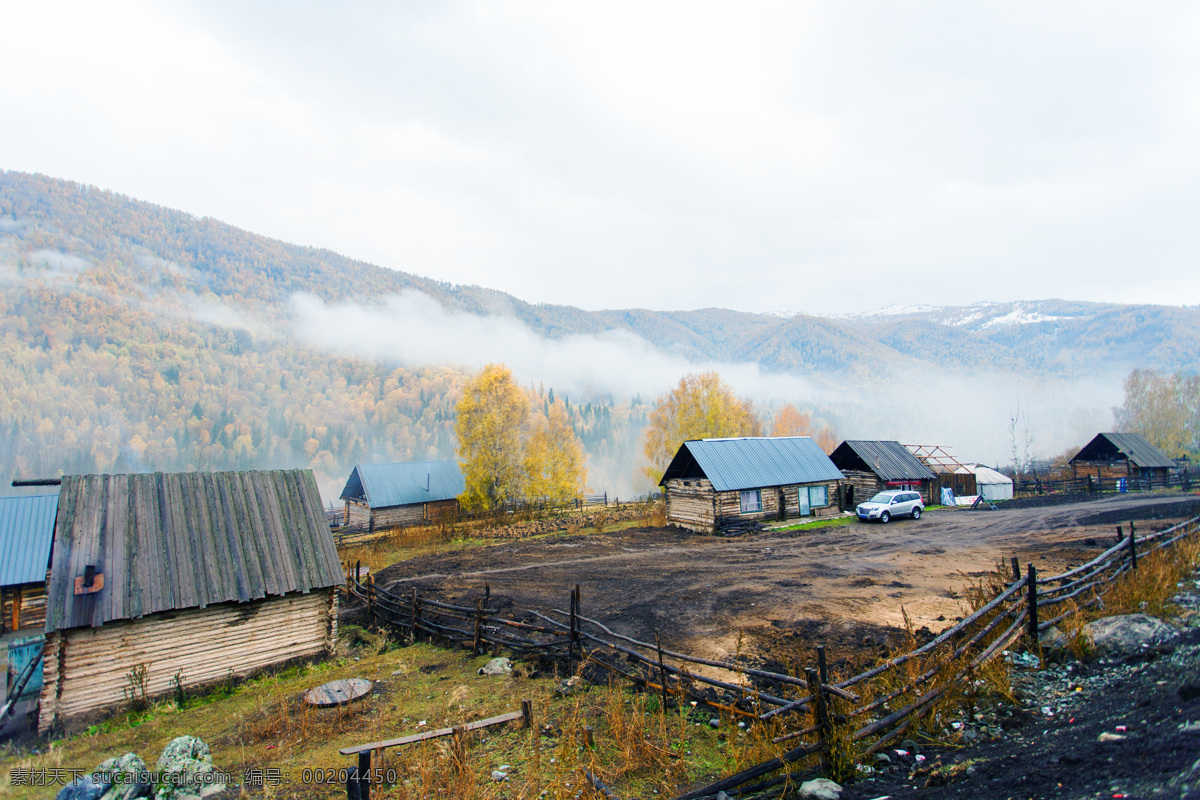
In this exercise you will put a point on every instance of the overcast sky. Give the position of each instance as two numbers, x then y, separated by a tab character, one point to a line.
817	157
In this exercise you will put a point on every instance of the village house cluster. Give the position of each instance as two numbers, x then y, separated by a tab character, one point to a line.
120	585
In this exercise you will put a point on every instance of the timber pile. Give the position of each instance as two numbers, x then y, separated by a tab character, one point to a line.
739	527
872	708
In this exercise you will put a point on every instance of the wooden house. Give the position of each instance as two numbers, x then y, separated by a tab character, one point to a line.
163	578
710	482
26	534
1122	455
873	466
381	496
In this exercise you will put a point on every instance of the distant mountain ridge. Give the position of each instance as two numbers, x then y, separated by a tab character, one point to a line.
177	259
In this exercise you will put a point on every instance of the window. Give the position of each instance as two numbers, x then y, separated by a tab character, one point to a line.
818	496
751	502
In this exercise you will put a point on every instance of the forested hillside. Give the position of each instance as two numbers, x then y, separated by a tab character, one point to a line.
139	337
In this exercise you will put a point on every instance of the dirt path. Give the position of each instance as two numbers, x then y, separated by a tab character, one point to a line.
700	591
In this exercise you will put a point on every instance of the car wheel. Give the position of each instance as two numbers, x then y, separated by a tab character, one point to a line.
884	517
916	512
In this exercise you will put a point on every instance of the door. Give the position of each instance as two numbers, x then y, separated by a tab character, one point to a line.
20	652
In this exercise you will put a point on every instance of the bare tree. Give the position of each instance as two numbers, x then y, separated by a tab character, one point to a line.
1021	441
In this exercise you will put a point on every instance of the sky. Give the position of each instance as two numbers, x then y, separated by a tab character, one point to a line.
822	157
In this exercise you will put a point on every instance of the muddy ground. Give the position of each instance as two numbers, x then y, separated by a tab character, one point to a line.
844	586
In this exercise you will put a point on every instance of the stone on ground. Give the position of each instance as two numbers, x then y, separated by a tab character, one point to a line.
1129	634
819	789
497	666
189	761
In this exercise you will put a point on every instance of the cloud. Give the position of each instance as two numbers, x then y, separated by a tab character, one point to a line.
968	413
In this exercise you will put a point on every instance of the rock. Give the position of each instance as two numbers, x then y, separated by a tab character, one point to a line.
1111	737
819	789
497	666
192	775
883	758
714	723
499	776
123	772
1053	639
1129	634
84	787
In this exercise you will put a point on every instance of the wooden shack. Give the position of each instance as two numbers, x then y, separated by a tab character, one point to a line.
871	466
711	482
26	534
382	496
189	578
1122	455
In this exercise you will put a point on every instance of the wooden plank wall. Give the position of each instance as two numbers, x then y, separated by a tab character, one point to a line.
28	603
690	504
1107	470
87	670
397	516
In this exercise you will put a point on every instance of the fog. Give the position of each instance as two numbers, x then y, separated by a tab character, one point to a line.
967	413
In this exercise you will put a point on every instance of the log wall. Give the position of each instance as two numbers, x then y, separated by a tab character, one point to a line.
88	670
23	608
690	504
866	485
1107	470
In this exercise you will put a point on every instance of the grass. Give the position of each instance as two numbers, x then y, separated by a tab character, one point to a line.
262	723
835	522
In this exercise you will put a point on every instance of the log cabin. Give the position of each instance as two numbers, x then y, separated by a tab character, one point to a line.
1109	456
382	496
711	482
26	534
873	466
159	580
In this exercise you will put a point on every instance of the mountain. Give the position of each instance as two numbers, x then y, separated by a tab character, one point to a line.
136	336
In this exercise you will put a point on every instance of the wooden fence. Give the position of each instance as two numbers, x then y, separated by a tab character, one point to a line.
1034	485
345	533
864	712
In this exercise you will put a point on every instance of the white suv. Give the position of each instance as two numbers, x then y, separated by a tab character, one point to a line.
886	505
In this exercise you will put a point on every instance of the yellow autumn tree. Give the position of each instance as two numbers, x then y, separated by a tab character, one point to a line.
702	406
790	421
490	427
554	458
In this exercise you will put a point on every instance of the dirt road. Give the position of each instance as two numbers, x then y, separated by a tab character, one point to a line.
700	591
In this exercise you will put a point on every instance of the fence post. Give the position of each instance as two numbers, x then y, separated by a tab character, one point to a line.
1016	568
526	713
1120	535
821	712
822	669
459	747
574	636
371	595
662	671
416	615
478	641
1133	545
1033	615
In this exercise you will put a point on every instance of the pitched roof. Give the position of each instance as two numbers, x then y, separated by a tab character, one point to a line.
387	485
753	462
168	541
26	532
1121	446
891	461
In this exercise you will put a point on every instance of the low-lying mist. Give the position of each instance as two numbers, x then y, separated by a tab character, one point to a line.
913	402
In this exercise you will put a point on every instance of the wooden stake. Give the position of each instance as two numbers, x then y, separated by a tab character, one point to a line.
662	671
1133	545
477	643
459	746
820	716
526	713
1032	628
1120	535
1016	568
589	743
822	670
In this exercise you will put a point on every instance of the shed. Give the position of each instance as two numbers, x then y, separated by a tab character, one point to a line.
711	481
871	466
26	533
381	496
992	485
1122	455
158	579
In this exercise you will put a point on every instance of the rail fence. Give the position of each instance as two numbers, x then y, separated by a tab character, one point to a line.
1098	483
820	717
345	532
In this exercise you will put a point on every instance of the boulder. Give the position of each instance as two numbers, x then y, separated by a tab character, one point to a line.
497	666
85	787
1053	639
819	789
124	772
189	763
1129	634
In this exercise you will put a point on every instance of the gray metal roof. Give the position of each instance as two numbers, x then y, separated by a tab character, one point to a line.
168	541
1130	445
26	533
891	461
387	485
754	462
